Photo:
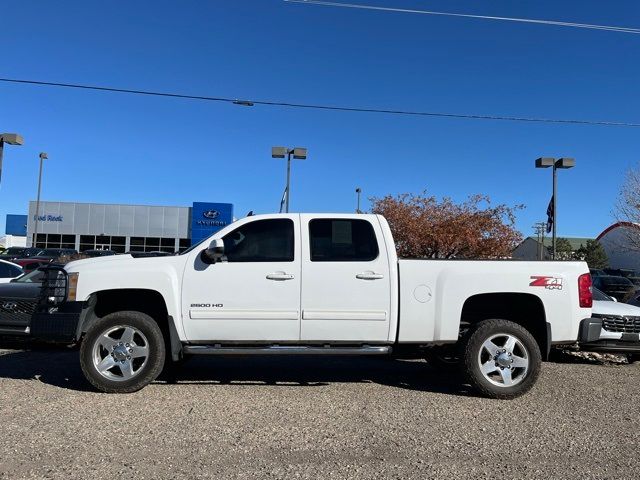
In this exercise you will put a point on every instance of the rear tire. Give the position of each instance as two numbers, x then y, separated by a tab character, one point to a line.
122	352
500	359
633	358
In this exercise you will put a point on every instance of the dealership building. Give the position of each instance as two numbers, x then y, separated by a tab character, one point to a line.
122	228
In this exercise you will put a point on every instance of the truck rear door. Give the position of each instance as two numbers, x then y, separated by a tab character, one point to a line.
346	284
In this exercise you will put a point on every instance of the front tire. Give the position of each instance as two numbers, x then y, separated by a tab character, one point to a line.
122	352
501	359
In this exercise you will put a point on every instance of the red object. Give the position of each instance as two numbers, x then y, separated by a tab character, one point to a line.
23	262
585	293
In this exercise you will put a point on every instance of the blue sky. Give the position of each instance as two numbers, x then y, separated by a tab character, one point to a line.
141	150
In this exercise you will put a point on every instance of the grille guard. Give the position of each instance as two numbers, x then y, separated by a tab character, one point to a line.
55	285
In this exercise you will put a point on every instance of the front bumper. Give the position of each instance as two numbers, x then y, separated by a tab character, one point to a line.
596	335
27	318
57	325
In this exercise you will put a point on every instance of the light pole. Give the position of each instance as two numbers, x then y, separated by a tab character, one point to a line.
11	139
358	192
298	154
43	156
565	163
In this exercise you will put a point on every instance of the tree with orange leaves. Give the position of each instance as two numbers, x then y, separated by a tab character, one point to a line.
425	227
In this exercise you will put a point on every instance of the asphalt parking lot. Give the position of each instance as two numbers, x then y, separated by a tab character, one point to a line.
314	418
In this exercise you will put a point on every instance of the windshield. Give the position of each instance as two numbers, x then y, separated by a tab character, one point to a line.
601	296
32	277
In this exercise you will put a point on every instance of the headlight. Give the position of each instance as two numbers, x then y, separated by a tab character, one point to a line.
72	286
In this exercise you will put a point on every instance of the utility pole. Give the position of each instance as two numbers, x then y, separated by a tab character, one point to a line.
540	229
358	192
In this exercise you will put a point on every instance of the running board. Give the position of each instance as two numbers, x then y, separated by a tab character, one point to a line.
284	350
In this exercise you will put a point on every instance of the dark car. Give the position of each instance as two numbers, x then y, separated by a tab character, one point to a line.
624	272
18	302
99	253
597	272
622	289
13	253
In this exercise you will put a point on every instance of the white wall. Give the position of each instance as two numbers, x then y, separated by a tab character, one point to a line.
13	241
616	244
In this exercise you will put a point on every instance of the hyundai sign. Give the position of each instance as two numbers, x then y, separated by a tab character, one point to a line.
208	218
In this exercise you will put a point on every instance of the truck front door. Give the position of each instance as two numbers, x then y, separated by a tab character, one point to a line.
254	293
346	292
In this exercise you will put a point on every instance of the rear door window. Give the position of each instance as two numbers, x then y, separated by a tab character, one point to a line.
342	240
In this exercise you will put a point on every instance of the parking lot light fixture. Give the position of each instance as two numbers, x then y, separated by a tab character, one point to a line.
9	139
563	163
298	153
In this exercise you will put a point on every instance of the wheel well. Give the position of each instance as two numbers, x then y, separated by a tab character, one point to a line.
149	302
521	308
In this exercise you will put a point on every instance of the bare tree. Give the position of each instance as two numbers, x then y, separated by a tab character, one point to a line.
627	209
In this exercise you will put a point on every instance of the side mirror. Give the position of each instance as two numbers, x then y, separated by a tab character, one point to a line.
215	252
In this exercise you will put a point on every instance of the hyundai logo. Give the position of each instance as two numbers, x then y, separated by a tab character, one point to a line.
210	214
9	306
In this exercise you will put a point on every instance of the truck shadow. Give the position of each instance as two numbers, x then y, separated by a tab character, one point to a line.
59	367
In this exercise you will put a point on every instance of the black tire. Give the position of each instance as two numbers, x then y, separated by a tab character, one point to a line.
473	354
633	358
146	371
444	358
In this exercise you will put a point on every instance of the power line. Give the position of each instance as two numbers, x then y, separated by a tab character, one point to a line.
321	107
556	23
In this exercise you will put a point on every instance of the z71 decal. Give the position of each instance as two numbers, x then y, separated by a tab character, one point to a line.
550	283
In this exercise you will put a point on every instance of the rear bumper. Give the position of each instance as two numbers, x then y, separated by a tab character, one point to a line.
594	337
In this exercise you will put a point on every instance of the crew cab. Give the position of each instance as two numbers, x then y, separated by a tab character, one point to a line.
321	284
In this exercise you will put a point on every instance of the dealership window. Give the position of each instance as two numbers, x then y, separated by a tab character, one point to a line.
337	240
260	241
152	244
184	244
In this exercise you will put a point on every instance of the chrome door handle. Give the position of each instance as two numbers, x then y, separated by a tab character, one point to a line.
280	276
369	276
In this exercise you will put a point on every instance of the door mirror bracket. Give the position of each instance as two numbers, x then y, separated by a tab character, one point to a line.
215	252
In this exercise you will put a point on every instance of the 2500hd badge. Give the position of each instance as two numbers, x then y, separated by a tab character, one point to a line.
207	305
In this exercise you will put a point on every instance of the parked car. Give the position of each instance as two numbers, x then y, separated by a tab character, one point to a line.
619	287
13	253
9	271
620	327
30	264
99	253
19	300
595	272
624	272
45	255
321	284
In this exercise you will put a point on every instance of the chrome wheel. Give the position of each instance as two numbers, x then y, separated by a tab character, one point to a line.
120	353
503	360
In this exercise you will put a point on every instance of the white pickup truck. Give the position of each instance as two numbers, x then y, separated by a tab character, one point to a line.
321	284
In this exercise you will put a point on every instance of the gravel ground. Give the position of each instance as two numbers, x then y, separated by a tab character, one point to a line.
314	418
